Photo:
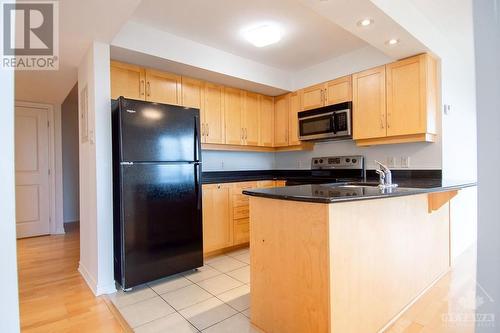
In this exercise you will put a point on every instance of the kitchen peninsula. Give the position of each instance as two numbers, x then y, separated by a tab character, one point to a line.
344	257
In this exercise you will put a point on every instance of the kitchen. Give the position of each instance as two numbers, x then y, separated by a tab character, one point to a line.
285	170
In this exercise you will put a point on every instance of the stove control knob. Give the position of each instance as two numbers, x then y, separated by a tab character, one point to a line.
348	160
315	161
321	161
354	160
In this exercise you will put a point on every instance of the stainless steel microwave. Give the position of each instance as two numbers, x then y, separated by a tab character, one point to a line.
326	123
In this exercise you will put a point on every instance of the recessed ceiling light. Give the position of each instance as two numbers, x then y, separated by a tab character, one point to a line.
365	22
263	35
392	41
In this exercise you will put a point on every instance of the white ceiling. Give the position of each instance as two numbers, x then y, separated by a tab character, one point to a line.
308	39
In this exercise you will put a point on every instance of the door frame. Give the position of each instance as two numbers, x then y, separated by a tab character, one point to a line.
55	163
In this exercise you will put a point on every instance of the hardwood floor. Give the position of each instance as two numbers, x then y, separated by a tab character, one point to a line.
453	296
53	296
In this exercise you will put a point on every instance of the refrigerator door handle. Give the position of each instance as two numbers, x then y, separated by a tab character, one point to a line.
197	142
197	183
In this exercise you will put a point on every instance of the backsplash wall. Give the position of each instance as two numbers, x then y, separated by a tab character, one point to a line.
235	161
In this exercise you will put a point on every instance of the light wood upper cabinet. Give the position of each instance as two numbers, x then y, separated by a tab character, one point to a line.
213	114
233	104
192	93
293	121
266	121
281	116
339	90
411	96
328	93
217	217
397	102
313	97
369	104
127	81
162	87
250	118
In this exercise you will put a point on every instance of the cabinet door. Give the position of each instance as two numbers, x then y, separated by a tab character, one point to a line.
127	81
406	96
266	121
293	121
217	222
251	110
313	97
163	87
232	111
192	93
339	90
213	111
281	113
369	104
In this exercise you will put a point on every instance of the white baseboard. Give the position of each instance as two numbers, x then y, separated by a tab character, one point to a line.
97	289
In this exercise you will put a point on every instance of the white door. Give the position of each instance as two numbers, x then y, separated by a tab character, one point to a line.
32	171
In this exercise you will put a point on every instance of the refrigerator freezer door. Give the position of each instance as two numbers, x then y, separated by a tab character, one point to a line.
162	226
152	132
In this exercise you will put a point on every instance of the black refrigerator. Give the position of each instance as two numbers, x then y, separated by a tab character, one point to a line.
157	224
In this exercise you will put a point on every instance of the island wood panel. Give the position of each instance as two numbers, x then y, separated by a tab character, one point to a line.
343	267
289	266
383	254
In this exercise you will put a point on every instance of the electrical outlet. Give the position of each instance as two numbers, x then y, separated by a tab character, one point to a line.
391	162
405	161
222	164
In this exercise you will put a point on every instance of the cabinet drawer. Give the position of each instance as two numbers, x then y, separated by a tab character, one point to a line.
242	212
241	231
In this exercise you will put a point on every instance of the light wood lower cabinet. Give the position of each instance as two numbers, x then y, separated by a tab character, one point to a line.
217	231
226	213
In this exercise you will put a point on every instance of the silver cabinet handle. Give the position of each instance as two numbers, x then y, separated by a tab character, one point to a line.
141	88
203	130
148	90
207	129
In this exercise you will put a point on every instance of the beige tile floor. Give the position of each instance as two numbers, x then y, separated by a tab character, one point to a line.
215	299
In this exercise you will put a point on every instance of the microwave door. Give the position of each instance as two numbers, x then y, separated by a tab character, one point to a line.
316	127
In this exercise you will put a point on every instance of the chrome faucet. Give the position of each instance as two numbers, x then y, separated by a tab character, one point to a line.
385	176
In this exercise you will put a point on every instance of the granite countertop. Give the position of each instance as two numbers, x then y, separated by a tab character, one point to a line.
342	192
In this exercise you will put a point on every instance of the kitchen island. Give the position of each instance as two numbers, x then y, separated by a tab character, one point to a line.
344	257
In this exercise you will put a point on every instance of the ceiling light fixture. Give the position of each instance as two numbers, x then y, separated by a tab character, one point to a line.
263	35
365	22
392	41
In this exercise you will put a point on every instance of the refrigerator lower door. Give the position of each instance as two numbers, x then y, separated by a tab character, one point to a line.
161	221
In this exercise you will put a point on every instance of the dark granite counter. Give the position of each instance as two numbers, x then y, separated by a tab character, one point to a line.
342	192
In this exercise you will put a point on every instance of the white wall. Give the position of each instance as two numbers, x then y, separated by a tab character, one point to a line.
9	303
70	161
487	41
96	197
